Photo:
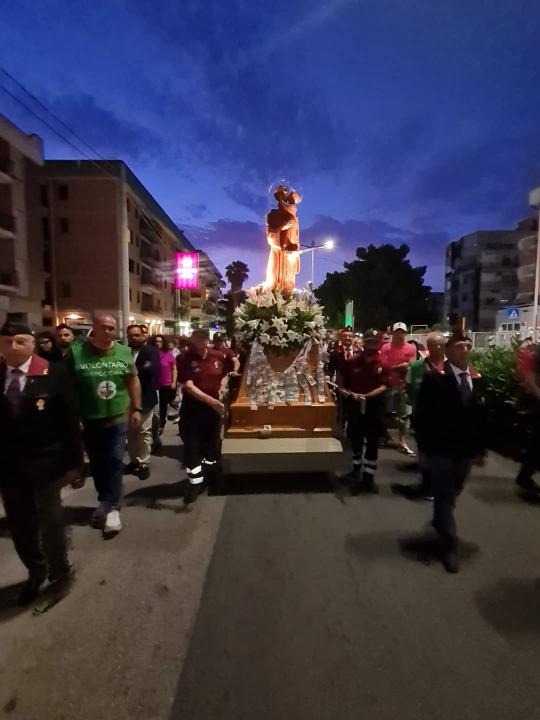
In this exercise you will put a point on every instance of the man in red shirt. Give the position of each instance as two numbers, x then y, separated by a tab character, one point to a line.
363	383
201	371
218	344
396	356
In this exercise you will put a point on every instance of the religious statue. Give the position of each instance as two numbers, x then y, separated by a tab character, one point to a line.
283	235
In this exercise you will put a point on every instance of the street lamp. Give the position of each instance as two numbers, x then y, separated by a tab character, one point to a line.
534	201
326	245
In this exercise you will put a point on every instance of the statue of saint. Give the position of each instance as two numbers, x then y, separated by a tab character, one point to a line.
283	235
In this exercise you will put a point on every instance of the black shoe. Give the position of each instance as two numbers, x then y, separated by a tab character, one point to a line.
353	476
131	468
365	486
193	492
30	591
450	561
62	585
527	483
144	472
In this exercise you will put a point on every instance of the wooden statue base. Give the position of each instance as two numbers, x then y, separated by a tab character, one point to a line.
285	419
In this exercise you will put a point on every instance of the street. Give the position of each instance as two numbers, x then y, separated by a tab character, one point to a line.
282	598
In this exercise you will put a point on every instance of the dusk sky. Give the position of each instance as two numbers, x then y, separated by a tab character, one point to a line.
398	120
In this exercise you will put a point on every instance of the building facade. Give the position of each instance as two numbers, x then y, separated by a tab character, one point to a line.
109	246
482	274
21	278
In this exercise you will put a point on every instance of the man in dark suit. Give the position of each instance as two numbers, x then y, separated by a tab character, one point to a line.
449	426
139	438
41	451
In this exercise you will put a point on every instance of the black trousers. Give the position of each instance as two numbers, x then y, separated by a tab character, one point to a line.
363	431
34	513
200	430
447	476
166	394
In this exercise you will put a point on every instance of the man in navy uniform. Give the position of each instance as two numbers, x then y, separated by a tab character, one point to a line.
41	450
362	382
201	371
449	424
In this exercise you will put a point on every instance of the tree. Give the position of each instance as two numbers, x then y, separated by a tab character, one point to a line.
383	285
237	273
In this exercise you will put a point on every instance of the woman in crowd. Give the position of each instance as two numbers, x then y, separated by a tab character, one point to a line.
47	347
167	377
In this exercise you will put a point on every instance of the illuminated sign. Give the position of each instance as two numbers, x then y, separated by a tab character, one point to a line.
187	271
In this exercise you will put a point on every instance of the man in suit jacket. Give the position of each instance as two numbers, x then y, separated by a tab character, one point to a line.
41	450
450	434
140	438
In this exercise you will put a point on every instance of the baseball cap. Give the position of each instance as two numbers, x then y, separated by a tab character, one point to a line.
371	334
399	326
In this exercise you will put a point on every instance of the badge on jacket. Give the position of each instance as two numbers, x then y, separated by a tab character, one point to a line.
40	404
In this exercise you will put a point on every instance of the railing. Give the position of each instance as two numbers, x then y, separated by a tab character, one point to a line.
7	222
150	278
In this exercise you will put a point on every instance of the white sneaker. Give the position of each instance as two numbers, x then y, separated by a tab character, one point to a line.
113	524
99	515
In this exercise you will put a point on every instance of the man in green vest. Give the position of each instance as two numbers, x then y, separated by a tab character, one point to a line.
110	398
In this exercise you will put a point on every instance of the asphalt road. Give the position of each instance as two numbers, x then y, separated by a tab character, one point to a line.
283	598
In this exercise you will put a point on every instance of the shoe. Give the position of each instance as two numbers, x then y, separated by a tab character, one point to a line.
30	591
144	472
353	475
366	485
193	492
131	468
113	524
527	483
99	515
406	450
62	585
450	561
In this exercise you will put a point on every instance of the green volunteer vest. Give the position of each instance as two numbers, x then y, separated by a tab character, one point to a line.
101	380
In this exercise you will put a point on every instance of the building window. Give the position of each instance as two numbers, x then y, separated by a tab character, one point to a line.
47	260
130	297
131	266
131	237
64	225
63	192
45	230
138	296
137	241
138	269
137	213
48	293
44	195
128	205
66	290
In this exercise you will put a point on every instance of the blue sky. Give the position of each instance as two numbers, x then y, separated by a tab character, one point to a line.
399	120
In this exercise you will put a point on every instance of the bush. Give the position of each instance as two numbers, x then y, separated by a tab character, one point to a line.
502	391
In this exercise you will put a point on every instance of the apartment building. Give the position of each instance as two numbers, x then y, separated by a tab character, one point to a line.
109	246
482	274
21	279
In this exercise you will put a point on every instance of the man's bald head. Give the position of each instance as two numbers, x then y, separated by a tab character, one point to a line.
436	343
104	327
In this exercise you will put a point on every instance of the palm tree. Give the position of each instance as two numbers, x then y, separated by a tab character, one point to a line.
237	273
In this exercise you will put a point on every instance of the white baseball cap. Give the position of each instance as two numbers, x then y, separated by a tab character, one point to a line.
399	326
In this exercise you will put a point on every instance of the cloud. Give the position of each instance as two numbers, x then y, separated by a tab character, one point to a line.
227	240
198	210
109	134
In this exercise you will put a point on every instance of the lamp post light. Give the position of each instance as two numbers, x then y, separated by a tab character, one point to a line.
327	245
534	201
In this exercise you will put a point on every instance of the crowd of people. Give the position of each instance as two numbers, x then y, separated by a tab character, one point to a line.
64	398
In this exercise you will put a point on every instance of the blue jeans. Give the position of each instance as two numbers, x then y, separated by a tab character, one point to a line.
105	447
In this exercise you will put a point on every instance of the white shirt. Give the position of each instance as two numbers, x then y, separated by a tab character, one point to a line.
24	368
458	373
135	352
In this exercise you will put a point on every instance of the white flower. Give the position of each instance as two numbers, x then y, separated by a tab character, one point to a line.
264	338
264	326
275	341
279	323
253	323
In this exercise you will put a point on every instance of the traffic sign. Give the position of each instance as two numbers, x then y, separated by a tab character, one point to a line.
512	313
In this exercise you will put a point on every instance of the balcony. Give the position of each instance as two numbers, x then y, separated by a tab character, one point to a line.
7	168
9	280
151	279
149	254
7	225
149	305
149	230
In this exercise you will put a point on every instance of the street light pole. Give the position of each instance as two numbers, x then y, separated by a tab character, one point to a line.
328	245
312	263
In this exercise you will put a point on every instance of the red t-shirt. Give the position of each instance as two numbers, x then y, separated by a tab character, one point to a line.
393	355
227	353
205	373
363	373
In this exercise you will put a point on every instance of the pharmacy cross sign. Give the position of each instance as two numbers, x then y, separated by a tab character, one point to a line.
106	390
187	271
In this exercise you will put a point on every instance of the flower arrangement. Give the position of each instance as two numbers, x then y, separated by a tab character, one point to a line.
280	321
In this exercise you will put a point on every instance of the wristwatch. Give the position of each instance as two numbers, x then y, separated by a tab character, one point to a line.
139	410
